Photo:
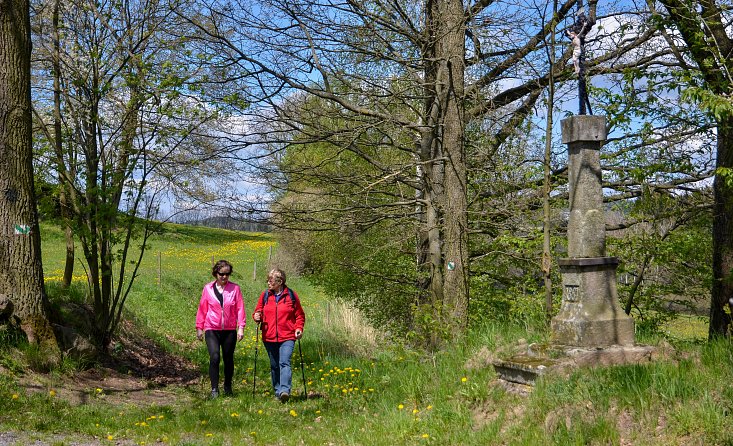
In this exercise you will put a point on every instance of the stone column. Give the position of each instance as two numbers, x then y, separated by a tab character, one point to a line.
590	315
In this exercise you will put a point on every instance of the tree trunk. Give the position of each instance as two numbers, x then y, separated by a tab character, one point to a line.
722	293
20	241
451	77
547	176
58	149
444	153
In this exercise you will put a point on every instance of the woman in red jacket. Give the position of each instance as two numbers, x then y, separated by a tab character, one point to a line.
221	318
281	319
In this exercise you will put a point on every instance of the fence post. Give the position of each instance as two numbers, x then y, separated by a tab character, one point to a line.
160	271
254	272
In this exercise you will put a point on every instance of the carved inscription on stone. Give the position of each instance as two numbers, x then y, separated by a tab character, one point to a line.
571	293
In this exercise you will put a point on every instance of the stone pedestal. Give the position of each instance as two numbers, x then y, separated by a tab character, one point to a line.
590	315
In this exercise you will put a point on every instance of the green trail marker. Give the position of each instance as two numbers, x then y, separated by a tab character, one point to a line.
22	229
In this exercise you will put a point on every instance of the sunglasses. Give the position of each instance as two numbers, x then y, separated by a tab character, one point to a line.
224	274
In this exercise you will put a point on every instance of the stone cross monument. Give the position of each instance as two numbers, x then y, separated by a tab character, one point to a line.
590	315
590	329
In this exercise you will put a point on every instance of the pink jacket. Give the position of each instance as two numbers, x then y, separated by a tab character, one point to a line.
211	315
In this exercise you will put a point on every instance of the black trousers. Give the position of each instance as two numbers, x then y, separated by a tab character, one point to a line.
224	340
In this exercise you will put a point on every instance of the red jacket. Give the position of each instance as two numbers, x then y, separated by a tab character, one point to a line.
280	319
211	315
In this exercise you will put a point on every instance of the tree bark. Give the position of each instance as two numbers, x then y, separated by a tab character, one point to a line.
722	293
446	210
20	241
451	52
58	149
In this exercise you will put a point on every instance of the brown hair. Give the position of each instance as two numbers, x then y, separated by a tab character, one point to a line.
219	265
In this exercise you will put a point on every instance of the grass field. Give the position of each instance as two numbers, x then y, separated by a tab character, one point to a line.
363	389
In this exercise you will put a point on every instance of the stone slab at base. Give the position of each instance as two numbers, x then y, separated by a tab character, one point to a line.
589	333
526	368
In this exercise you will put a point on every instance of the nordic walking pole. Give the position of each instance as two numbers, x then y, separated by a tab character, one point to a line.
302	369
257	348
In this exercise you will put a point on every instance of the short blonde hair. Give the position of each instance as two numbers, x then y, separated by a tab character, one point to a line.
278	274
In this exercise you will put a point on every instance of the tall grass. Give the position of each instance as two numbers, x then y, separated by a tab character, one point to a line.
365	389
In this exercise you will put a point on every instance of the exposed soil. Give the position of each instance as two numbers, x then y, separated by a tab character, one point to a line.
139	372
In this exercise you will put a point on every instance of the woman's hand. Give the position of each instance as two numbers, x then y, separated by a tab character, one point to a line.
240	333
257	317
199	334
298	333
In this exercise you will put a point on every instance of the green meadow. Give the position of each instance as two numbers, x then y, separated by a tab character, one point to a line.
364	387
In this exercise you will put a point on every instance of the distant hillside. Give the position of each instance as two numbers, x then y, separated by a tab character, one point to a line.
224	222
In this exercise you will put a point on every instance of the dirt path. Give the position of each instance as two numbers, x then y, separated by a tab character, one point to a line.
140	373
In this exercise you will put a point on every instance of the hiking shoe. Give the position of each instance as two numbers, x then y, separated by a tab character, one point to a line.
284	397
214	394
228	391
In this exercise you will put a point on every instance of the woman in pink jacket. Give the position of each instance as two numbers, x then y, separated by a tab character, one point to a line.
220	319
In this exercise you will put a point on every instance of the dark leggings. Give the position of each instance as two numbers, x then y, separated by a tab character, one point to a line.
227	340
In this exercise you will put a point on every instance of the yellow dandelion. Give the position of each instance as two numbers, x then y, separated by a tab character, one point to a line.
110	437
293	413
415	411
15	396
209	434
464	379
430	407
253	433
425	436
203	422
259	412
98	390
400	407
318	412
235	415
52	392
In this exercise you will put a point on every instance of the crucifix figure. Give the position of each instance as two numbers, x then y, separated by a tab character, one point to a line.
577	35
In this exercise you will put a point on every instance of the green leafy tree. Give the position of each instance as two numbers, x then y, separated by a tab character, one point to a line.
134	124
406	77
705	33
